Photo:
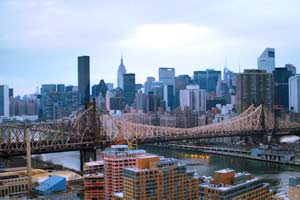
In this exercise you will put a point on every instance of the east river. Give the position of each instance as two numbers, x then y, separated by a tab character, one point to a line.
275	174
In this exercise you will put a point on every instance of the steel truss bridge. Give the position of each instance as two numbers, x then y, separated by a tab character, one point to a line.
89	128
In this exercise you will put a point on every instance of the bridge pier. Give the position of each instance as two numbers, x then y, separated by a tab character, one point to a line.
87	155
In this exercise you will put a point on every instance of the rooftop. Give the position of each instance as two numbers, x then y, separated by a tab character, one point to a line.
224	171
222	187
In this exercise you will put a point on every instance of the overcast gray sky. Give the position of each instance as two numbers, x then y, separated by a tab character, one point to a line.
41	39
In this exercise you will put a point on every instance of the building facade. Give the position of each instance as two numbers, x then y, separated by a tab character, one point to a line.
266	61
254	87
153	178
84	79
294	93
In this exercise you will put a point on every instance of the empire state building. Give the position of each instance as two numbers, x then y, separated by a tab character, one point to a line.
121	72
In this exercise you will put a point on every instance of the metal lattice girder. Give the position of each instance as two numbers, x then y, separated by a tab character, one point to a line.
80	131
255	120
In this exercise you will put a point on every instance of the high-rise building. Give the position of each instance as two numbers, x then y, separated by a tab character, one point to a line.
84	79
167	77
61	88
223	90
169	97
99	89
181	82
229	77
193	98
254	87
292	68
151	102
110	86
148	84
71	88
158	89
121	72
294	93
227	184
266	61
4	101
281	87
155	178
207	80
116	159
117	100
129	88
57	104
140	101
200	78
11	92
213	77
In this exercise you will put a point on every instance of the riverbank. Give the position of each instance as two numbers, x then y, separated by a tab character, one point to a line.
232	152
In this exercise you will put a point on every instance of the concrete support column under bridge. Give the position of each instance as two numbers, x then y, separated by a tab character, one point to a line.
87	155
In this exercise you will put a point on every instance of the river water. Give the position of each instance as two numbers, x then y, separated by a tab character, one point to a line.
275	174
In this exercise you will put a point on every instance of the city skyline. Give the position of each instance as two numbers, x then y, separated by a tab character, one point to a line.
44	49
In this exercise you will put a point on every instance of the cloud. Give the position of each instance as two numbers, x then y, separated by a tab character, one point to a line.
178	38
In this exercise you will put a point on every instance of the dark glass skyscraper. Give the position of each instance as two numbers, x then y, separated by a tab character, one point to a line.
281	86
129	88
207	80
84	78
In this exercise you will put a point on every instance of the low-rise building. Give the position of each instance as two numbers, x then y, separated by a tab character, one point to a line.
227	184
11	185
294	188
94	186
153	178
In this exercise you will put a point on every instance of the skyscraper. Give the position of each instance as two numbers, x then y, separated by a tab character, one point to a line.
294	93
129	88
84	79
213	77
281	87
207	80
200	78
121	72
167	77
292	68
148	84
254	87
193	98
181	82
266	61
4	101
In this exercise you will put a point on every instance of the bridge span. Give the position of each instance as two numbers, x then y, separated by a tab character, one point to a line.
89	129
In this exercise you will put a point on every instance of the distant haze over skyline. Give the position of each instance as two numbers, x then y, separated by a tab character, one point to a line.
40	40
